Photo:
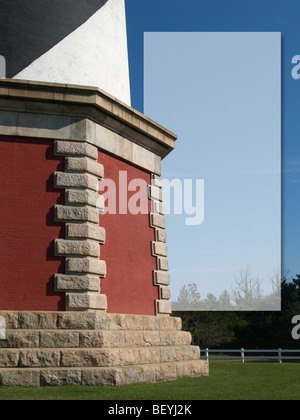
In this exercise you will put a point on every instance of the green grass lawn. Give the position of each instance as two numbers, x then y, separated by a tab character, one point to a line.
228	380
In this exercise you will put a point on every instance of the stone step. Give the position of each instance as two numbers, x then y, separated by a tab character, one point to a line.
103	376
92	348
92	339
88	321
105	357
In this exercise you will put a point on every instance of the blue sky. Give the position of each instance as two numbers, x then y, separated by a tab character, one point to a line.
221	93
234	16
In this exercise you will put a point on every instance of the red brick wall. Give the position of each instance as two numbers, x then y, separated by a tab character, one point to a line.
129	283
27	229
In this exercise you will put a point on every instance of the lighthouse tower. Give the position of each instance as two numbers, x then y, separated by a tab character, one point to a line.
84	282
81	42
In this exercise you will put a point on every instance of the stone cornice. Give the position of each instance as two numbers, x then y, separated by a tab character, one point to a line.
88	102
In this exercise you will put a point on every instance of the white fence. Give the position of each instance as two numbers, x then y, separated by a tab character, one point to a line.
279	355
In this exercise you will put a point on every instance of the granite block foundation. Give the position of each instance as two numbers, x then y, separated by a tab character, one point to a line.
92	349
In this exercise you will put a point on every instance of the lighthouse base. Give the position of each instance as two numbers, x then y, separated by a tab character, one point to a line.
94	349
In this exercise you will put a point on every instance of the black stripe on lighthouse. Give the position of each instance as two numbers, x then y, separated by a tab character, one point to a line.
28	29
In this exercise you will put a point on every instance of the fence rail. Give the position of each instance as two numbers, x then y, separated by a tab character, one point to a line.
258	354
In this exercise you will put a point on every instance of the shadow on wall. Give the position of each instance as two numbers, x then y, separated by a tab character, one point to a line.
50	221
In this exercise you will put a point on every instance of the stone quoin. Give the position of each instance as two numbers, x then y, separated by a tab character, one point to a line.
84	294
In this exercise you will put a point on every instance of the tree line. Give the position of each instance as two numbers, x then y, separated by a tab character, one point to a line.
247	294
242	329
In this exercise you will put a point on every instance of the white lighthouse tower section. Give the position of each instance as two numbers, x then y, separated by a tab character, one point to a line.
95	54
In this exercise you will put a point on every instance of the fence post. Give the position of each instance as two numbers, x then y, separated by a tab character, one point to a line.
243	355
279	355
206	354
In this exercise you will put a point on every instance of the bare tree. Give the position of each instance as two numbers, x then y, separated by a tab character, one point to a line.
247	293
